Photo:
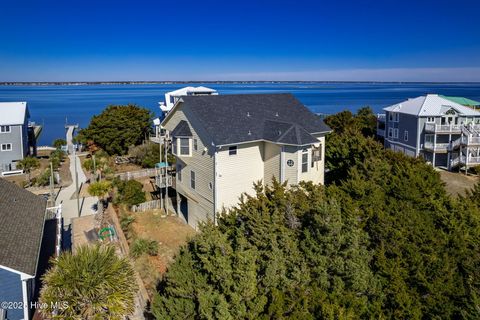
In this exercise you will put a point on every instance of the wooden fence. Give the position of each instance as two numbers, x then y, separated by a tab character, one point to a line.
144	206
137	174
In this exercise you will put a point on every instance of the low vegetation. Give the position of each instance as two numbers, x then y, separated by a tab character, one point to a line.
92	283
381	240
129	192
141	246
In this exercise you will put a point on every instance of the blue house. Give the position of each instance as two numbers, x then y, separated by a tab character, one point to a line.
22	221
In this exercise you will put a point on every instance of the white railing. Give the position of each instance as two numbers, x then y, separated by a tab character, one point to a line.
145	206
137	174
436	146
463	160
432	127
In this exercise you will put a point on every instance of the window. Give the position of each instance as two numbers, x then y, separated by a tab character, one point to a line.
192	179
232	151
390	132
5	129
316	155
195	144
395	133
179	172
393	116
430	119
405	135
6	147
304	160
184	146
429	138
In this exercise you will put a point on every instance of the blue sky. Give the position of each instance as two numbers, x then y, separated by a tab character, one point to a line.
383	40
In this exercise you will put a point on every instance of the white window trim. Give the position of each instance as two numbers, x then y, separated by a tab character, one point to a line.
194	180
304	152
177	146
6	150
428	120
395	133
405	135
6	126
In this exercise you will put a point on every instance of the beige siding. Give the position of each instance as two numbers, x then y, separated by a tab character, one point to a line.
315	173
291	173
271	162
200	199
237	173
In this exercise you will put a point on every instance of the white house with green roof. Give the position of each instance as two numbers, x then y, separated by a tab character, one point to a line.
443	130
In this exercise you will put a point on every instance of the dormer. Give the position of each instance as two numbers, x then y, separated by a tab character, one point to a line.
182	139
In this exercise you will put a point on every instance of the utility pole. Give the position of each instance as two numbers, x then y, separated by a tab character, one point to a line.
160	172
94	169
76	180
52	182
166	176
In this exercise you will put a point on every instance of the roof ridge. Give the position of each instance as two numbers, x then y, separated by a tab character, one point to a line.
423	103
286	131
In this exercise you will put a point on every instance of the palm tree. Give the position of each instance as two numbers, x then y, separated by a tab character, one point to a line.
92	283
28	164
100	189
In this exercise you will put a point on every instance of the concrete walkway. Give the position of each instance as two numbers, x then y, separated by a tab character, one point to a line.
67	196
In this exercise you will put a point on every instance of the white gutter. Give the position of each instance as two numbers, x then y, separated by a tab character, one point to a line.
215	189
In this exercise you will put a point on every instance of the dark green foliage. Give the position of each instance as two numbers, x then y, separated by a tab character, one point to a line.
276	256
382	241
117	128
143	246
148	154
130	192
44	178
56	158
58	143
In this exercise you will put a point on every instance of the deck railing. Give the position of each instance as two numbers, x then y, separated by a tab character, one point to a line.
445	128
436	146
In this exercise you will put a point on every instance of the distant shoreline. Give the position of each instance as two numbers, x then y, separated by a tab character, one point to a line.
89	83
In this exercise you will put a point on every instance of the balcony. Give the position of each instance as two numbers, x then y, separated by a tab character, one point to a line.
436	147
464	160
443	128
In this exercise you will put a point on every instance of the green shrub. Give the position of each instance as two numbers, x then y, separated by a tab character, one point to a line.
126	221
130	192
44	178
143	246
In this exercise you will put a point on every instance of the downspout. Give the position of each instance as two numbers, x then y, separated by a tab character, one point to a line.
282	165
419	134
215	192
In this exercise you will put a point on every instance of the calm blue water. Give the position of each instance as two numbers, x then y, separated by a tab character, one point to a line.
52	106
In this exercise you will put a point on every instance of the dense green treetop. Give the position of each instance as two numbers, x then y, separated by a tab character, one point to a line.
117	128
383	240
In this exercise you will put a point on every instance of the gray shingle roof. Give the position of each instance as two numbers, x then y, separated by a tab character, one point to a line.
231	119
182	130
22	218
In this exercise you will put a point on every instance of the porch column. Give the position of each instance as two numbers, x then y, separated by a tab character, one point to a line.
434	147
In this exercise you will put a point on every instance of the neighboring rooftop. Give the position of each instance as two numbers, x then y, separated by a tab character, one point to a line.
192	90
22	218
13	113
430	105
463	101
231	119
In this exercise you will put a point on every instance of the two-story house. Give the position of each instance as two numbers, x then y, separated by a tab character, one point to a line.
16	136
24	249
225	143
441	130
